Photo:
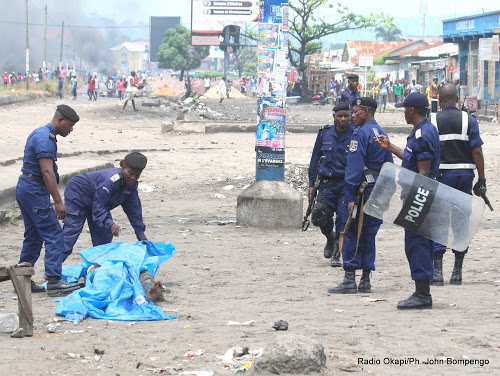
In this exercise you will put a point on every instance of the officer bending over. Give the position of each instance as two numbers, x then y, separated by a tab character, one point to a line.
364	161
332	142
421	155
92	196
35	186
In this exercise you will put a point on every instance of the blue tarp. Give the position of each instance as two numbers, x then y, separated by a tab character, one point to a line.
113	290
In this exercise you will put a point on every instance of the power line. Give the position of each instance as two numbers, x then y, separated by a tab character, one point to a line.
77	26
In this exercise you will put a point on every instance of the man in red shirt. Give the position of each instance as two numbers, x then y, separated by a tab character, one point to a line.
5	79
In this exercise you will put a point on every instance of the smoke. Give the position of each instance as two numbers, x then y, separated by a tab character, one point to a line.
86	47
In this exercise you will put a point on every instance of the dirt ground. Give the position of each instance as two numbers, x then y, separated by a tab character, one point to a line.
222	272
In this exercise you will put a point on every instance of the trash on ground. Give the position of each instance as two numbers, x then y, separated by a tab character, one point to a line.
246	323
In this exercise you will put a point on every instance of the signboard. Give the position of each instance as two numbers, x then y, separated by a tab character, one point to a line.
208	18
365	60
471	104
157	28
485	49
495	46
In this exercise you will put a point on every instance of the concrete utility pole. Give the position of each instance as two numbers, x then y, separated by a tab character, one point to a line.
45	39
27	48
62	40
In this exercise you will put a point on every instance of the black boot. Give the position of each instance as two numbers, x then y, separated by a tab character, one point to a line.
59	287
348	285
329	246
364	282
336	256
437	279
420	299
36	288
456	275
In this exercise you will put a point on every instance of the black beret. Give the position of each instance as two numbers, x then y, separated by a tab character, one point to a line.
136	161
366	102
342	106
68	113
352	76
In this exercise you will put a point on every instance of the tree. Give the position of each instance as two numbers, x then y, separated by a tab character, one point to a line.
177	53
245	61
388	33
307	27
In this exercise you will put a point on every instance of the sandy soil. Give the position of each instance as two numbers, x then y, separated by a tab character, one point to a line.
223	272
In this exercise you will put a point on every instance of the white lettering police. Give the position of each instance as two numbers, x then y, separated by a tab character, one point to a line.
417	205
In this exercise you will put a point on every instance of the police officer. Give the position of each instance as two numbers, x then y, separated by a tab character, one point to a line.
350	93
91	196
35	186
461	153
364	162
421	155
332	142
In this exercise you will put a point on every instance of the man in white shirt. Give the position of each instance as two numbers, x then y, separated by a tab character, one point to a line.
222	89
129	91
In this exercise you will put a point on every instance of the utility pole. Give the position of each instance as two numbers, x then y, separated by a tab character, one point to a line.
27	48
62	40
45	40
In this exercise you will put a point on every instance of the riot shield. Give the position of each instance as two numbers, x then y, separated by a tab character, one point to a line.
425	206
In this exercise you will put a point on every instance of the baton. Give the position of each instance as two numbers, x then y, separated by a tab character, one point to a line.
487	202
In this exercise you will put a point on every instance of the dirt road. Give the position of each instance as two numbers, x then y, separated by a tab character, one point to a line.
223	272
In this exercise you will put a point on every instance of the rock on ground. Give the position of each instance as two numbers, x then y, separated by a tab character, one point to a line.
293	354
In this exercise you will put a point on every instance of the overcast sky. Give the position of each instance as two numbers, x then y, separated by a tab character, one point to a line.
134	10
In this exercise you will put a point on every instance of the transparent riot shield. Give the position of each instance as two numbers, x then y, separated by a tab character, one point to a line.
425	206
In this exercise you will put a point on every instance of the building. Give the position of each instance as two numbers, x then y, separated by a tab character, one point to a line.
478	54
354	48
437	60
131	56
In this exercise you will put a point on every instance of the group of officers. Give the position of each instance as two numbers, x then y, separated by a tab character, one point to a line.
88	197
347	154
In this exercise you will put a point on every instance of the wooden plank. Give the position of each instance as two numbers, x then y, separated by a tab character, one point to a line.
22	285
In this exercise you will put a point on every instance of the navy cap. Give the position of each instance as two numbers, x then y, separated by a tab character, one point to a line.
136	161
366	102
352	76
342	106
68	113
418	101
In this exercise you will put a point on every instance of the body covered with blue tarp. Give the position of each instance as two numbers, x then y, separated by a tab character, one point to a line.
113	290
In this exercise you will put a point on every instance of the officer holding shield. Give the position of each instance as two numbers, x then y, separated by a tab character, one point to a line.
364	162
332	142
421	155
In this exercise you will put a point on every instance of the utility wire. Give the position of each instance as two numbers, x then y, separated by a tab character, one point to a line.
76	26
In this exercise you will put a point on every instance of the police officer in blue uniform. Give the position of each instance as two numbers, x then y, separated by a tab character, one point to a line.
461	153
364	161
35	186
350	93
421	155
92	196
332	142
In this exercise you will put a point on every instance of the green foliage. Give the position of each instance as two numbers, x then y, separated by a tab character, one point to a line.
391	33
307	25
177	53
209	74
245	61
13	221
370	75
380	60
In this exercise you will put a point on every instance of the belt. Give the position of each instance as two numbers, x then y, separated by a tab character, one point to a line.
37	178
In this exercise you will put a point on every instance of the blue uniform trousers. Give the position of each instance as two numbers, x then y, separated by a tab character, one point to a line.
40	226
419	255
364	258
73	226
462	183
333	195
